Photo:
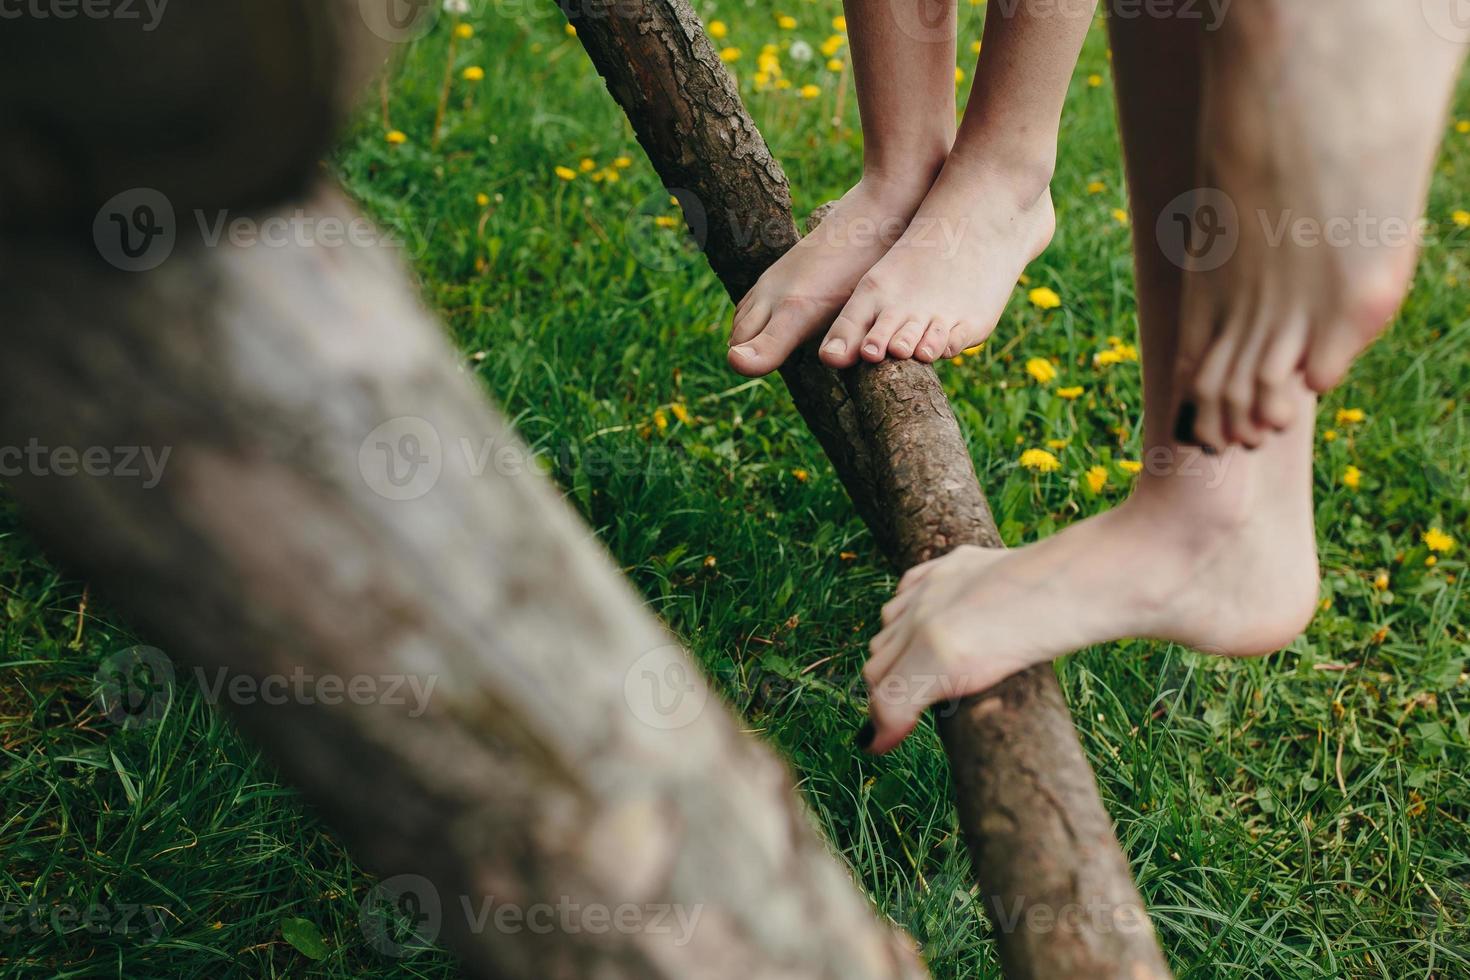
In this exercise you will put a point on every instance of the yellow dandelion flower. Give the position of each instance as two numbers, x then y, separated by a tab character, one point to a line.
762	79
957	360
959	74
1437	540
974	47
464	31
1044	298
1330	435
783	83
1463	126
1040	460
1057	443
396	137
622	163
660	420
566	173
664	221
1130	466
1380	582
587	165
786	22
729	54
1120	216
1350	416
718	29
474	73
839	23
680	412
1097	478
571	30
832	45
1094	81
810	91
1431	561
1351	477
1096	187
835	64
608	174
1461	219
801	476
768	64
1041	369
483	200
1071	394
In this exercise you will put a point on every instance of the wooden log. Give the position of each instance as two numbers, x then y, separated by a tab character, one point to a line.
338	502
1056	883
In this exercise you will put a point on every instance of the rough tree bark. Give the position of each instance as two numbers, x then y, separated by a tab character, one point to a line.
339	502
1057	884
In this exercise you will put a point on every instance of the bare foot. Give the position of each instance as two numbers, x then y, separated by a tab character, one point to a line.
798	296
945	283
1224	562
1319	131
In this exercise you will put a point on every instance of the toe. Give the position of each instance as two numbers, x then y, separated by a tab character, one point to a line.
749	320
840	349
906	339
790	324
934	343
1278	382
875	345
1208	390
1329	356
1240	391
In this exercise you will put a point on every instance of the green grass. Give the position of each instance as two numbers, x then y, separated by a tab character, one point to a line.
1282	819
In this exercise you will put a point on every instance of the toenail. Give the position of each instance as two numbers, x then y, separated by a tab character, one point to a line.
870	348
835	346
1184	424
743	350
926	352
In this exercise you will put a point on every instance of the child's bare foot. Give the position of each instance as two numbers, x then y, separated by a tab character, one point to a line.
1320	128
1223	561
943	286
798	296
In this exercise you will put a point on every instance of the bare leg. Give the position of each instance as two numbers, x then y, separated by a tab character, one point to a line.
1216	552
903	55
1319	131
943	287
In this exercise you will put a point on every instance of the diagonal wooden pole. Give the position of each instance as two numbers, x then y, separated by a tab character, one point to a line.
1056	883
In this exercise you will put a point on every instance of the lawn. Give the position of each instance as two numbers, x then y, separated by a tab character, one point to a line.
1302	815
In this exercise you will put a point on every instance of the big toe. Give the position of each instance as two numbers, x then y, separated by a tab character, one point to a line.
791	323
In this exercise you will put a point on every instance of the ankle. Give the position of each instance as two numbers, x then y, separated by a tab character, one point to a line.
916	168
1025	172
